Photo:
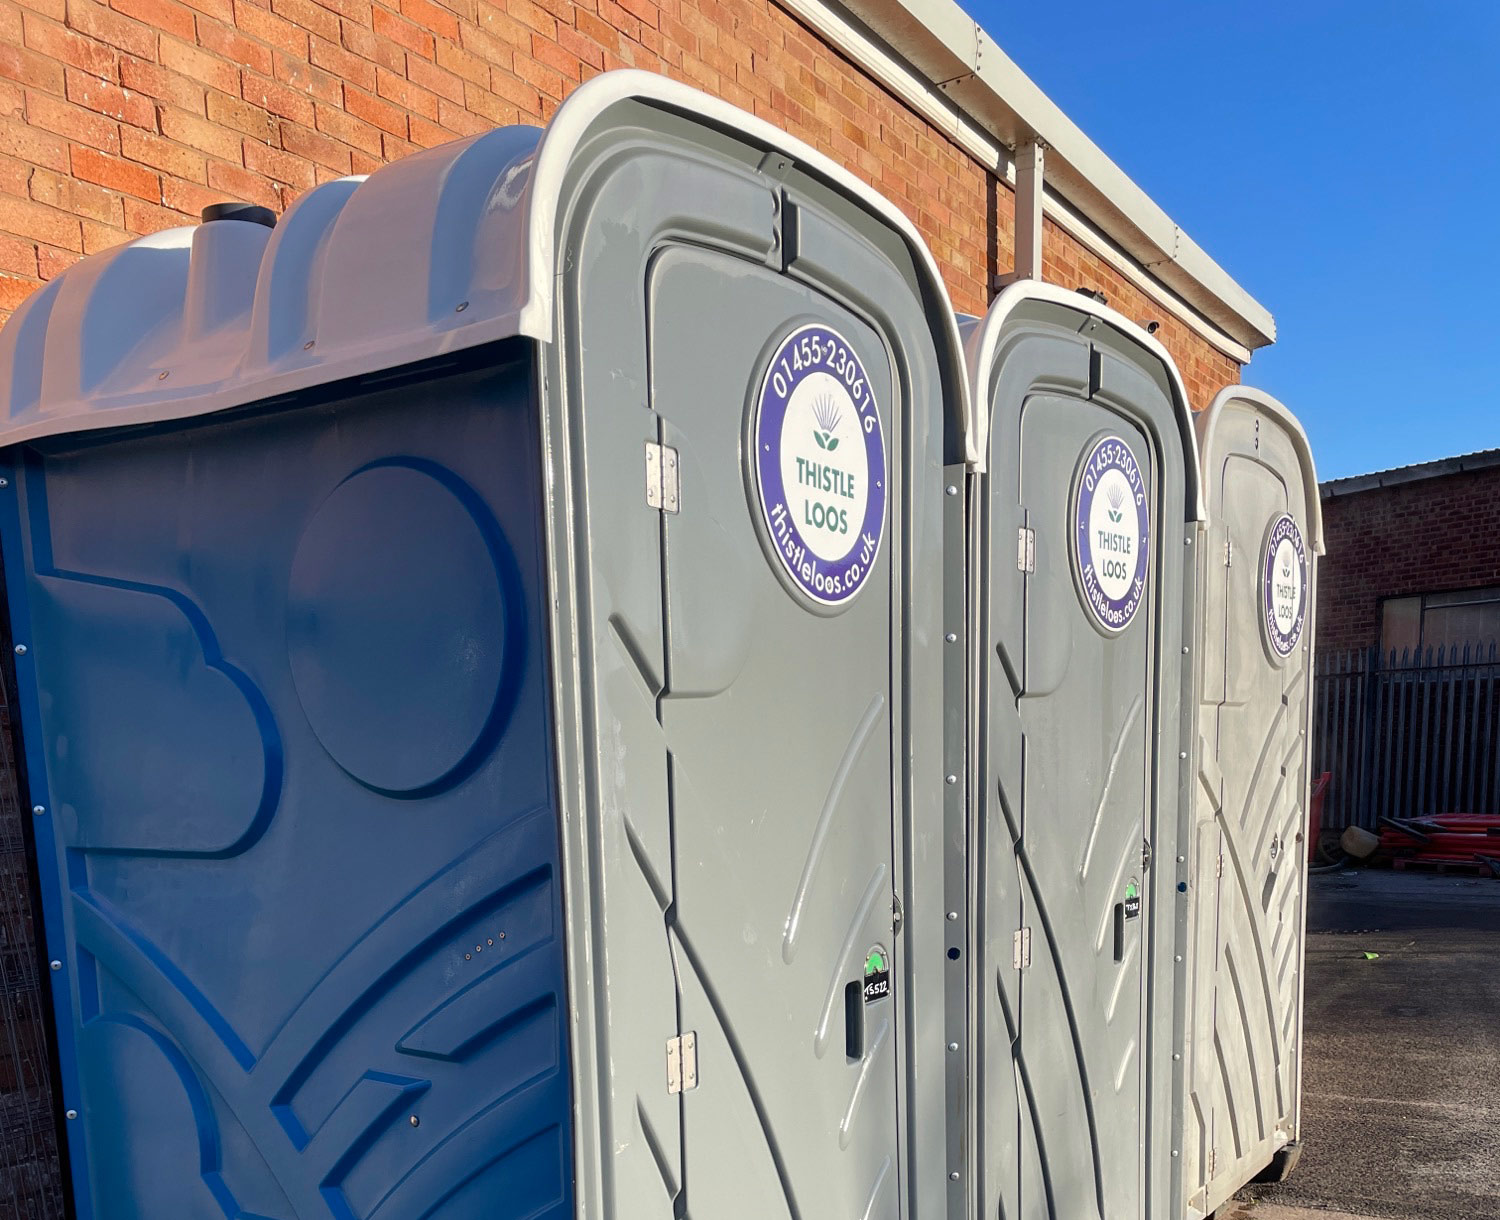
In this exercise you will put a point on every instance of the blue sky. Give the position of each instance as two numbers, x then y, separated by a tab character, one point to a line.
1341	160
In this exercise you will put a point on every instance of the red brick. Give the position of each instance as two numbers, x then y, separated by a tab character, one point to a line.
234	46
13	291
313	18
199	65
164	16
518	93
28	68
56	41
110	100
399	30
497	111
242	116
347	129
77	124
273	30
17	257
27	219
32	144
52	262
547	81
161	84
97	237
431	17
461	121
74	196
244	185
462	63
401	92
200	133
580	46
116	174
372	110
547	52
304	78
434	79
279	166
315	147
162	154
120	31
364	163
189	198
343	64
277	98
142	217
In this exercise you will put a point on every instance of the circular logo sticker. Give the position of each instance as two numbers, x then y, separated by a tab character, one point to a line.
820	464
1111	533
1284	585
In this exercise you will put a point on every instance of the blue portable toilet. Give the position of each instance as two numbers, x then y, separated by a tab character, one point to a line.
471	640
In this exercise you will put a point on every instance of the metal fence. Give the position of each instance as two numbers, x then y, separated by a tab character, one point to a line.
1407	734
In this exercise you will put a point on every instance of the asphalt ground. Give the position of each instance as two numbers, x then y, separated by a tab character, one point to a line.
1401	1081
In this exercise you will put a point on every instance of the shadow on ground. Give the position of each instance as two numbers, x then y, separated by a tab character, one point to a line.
1401	1085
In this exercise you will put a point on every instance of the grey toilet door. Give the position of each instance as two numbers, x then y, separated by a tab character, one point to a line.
1248	922
1086	714
776	712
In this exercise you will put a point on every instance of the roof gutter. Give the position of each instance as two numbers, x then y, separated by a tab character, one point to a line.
953	74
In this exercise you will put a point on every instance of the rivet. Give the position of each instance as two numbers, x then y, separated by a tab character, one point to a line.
414	1121
952	490
1174	1152
308	346
164	374
502	935
1176	1057
1185	542
4	482
953	1177
468	957
489	940
1184	650
953	779
1181	753
1181	859
951	637
460	307
953	1046
478	948
72	1114
39	810
20	650
1178	958
952	916
55	964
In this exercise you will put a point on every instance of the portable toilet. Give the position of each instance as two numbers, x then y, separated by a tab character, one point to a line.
1249	859
1082	525
474	643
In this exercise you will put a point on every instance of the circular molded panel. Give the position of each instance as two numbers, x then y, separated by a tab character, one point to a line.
820	472
1111	533
397	626
1283	586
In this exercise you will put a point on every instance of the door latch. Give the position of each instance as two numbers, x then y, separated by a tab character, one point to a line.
1025	549
1021	949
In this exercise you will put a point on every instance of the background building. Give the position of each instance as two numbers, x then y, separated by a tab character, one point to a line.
1413	556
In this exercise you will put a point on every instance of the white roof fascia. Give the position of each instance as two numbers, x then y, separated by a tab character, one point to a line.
942	46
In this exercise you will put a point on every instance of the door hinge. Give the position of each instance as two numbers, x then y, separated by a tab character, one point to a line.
1021	949
1145	857
682	1063
1212	1157
663	485
1025	549
1228	552
1219	871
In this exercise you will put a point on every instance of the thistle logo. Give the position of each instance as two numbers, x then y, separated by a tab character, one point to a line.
827	415
1283	586
1111	533
823	504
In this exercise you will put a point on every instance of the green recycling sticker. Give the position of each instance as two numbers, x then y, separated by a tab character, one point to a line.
1132	900
877	975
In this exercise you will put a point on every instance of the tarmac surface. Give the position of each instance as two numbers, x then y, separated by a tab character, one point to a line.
1401	1083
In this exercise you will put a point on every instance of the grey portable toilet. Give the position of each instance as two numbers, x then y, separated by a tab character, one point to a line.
1248	849
477	645
1082	525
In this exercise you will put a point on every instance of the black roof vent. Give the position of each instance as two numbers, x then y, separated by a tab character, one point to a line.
251	212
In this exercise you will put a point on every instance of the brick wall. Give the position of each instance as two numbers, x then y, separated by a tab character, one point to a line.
122	119
1429	536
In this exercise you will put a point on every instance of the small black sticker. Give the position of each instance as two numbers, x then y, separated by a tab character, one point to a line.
877	976
1132	901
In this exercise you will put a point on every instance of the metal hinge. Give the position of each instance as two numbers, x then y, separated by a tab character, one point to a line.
682	1063
1212	1157
1025	549
1021	949
663	486
1228	552
1145	857
1220	870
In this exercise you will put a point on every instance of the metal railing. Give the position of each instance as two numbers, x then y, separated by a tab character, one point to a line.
1407	734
